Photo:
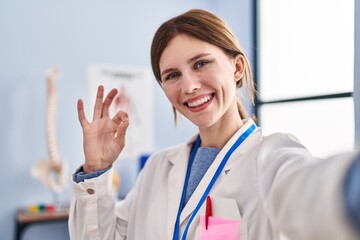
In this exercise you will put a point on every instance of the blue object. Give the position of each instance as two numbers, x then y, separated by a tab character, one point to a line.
80	176
142	160
203	159
352	193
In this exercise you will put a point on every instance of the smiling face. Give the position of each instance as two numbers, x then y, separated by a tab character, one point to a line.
199	79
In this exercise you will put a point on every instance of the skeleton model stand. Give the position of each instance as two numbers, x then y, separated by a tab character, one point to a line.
52	172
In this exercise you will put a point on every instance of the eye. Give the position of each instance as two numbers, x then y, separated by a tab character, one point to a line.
201	64
171	76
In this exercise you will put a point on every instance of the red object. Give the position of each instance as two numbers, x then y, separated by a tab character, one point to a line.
49	208
208	211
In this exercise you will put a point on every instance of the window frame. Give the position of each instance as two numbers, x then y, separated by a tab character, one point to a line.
355	94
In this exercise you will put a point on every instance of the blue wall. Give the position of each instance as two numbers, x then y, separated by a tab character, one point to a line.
36	35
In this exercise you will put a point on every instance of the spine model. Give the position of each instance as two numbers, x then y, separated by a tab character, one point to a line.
52	171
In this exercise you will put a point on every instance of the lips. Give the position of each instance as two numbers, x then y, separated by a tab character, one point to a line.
199	101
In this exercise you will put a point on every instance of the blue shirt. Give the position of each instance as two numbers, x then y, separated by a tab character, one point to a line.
203	159
80	176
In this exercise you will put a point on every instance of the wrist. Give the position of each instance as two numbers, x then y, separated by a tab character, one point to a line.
89	168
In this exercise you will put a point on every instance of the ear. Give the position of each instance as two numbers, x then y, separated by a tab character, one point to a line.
239	67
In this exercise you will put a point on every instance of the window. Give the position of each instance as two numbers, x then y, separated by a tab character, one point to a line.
305	72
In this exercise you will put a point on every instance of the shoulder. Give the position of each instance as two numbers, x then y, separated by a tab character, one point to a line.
280	140
279	148
165	153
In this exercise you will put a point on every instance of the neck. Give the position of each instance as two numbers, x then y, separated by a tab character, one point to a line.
218	135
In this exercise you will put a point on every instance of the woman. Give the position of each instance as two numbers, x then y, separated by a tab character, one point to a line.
229	181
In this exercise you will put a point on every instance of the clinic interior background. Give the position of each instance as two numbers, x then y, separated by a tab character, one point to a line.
37	35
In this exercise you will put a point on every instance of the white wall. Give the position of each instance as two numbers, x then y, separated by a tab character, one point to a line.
36	35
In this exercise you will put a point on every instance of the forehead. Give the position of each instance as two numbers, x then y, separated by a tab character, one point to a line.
184	47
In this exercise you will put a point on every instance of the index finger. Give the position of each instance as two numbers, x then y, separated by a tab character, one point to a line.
81	112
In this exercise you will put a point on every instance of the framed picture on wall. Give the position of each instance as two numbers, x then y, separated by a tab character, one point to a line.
135	96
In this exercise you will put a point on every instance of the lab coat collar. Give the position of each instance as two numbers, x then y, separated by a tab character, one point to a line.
178	157
194	199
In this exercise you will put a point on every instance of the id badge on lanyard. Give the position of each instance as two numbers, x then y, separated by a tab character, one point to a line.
211	184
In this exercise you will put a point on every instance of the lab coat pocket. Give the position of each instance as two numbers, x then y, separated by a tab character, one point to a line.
219	229
225	223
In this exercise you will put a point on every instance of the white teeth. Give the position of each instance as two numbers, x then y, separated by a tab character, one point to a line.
199	102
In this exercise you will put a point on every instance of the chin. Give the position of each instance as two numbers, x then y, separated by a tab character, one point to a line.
203	124
204	121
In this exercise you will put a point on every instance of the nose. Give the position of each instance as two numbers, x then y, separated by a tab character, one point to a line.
189	83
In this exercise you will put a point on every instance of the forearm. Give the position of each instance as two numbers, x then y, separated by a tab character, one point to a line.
305	200
92	211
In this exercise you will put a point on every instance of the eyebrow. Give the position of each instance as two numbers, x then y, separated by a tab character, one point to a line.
197	57
167	70
188	62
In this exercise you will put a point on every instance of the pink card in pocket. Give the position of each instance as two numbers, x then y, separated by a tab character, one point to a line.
219	228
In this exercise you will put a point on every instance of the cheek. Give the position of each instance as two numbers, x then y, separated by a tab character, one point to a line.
170	94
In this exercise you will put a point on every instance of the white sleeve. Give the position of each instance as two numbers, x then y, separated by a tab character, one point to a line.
92	210
303	196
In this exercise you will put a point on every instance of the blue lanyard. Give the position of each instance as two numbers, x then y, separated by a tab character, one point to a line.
212	182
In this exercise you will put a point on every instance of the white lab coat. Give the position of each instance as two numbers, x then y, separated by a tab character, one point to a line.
270	183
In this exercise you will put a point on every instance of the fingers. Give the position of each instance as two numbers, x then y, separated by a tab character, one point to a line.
122	120
101	109
81	113
120	117
107	103
98	103
120	137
